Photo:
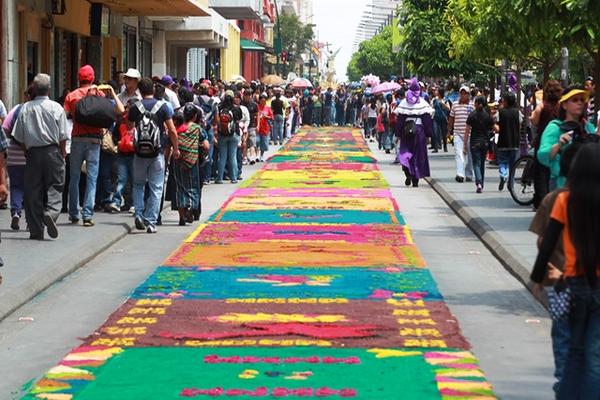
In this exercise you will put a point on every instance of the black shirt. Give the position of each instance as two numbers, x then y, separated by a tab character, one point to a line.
253	110
277	106
481	126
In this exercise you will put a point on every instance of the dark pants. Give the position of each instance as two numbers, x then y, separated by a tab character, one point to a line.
541	182
44	182
105	189
440	134
16	173
581	379
326	115
479	153
317	116
339	115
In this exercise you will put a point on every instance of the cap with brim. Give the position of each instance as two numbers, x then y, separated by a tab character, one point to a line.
166	80
133	74
575	92
465	88
229	93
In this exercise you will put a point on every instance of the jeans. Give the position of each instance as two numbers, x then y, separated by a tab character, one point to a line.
152	172
464	162
228	154
263	143
440	133
561	336
278	127
387	138
506	159
317	116
327	115
207	173
339	115
16	174
479	153
581	379
104	191
90	153
240	163
124	174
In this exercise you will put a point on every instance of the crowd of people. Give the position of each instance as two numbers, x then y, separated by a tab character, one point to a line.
130	144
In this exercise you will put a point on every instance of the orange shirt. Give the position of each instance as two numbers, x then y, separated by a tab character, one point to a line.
70	103
560	213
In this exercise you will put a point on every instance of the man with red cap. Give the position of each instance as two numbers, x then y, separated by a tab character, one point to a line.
85	146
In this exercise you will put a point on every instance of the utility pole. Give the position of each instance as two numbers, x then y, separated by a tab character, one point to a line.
278	42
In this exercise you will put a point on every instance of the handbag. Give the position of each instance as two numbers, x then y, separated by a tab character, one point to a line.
108	144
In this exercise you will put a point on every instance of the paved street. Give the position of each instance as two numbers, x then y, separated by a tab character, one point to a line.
508	331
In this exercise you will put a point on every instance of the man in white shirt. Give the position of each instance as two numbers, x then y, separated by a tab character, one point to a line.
132	78
170	95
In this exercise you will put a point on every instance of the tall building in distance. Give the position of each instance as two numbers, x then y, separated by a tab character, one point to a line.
306	11
377	15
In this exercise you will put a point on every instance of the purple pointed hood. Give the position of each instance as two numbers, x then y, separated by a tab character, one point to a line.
413	95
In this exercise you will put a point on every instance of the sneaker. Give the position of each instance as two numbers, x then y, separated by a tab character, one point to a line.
252	162
112	208
234	182
74	220
501	184
51	226
139	224
469	179
207	182
86	222
151	229
459	179
479	189
261	160
14	223
218	182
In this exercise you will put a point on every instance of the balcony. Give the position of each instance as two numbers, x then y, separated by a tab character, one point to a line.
207	32
174	8
237	9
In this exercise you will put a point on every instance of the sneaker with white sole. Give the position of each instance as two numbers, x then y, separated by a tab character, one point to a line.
139	224
151	229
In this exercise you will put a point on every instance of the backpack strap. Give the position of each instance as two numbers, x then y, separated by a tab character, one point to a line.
140	107
157	107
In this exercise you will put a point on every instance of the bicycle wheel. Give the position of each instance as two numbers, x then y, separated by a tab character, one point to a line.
520	181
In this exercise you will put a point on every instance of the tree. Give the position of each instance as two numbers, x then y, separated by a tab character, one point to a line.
296	39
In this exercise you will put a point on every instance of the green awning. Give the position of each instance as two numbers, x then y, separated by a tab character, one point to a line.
246	44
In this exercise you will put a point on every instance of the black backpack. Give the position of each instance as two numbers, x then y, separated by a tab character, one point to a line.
228	123
95	111
147	139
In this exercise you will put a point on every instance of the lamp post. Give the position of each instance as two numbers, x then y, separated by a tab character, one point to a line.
278	42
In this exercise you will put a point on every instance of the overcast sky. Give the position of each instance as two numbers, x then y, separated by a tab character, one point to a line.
336	22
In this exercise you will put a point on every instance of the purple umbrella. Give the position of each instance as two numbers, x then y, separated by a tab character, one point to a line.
385	87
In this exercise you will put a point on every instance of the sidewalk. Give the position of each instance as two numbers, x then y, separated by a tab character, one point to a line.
496	219
30	267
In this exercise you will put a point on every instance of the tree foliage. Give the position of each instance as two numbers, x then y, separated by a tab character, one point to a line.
296	38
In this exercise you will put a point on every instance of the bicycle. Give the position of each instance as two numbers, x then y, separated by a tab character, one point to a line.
520	180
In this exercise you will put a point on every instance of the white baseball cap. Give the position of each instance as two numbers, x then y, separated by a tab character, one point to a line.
465	88
133	73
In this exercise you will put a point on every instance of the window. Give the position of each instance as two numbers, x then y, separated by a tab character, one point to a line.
129	47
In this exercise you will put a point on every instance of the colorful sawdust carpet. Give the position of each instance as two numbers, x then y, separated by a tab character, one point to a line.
305	284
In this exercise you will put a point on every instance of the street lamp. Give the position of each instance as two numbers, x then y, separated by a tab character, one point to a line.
278	42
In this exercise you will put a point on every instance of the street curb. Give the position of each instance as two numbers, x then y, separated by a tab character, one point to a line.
17	297
515	264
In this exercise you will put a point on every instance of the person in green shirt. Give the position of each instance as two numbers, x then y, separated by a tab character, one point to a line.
560	134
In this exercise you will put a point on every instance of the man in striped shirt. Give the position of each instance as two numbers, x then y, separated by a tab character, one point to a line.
457	125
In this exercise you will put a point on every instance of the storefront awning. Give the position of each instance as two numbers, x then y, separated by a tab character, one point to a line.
249	45
154	8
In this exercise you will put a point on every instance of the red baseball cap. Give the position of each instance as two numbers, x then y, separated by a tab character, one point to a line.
86	74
